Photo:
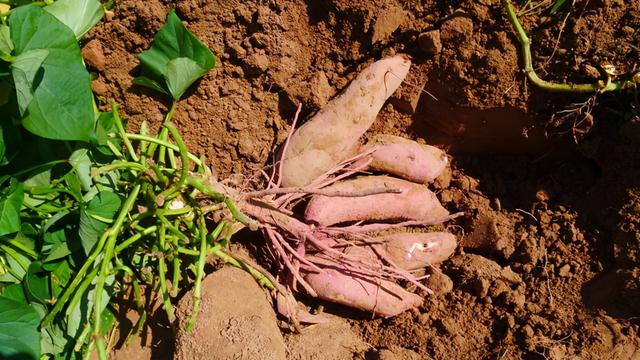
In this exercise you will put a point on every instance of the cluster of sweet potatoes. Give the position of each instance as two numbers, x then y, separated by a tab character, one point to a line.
366	205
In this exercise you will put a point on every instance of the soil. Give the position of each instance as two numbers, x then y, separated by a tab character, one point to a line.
549	259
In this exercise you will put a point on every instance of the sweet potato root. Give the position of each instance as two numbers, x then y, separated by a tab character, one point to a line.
415	202
332	134
406	158
412	251
381	297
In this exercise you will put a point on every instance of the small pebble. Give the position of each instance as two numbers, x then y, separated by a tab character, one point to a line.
565	270
429	42
439	283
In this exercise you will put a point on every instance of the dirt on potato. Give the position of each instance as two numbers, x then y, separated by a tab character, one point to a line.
548	265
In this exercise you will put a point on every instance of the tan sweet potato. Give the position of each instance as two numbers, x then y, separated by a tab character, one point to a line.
377	296
332	134
415	202
406	158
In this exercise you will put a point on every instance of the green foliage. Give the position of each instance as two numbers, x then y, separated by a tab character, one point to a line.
95	218
10	203
104	211
175	60
55	98
556	6
78	15
19	335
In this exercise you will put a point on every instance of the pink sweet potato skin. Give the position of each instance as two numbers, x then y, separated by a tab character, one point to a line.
380	297
416	202
412	251
329	136
407	159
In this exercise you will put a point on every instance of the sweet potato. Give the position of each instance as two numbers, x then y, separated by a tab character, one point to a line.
332	134
412	251
406	158
415	202
339	285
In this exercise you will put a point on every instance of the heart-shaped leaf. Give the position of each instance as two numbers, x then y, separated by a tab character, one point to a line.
162	68
61	107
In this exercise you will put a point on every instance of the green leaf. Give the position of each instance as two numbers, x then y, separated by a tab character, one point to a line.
15	292
62	104
60	235
36	284
19	335
60	276
80	314
151	84
81	163
180	74
556	6
53	341
172	42
73	184
10	202
104	205
24	70
6	46
78	15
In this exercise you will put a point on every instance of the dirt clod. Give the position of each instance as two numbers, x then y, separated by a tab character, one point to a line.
429	42
439	283
93	55
331	340
236	320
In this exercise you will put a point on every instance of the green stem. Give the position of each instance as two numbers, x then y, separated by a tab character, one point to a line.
123	134
262	280
166	144
197	292
162	269
141	311
175	212
119	165
115	150
14	254
163	134
525	47
80	276
125	244
184	170
20	246
86	281
108	253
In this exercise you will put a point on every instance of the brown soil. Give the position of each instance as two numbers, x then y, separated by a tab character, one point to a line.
549	264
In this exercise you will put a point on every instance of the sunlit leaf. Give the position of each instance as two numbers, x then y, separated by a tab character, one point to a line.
62	103
78	15
162	69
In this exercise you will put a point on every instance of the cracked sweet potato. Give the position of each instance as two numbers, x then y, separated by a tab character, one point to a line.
412	251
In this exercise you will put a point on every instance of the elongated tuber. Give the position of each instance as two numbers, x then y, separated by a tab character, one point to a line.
333	133
415	202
